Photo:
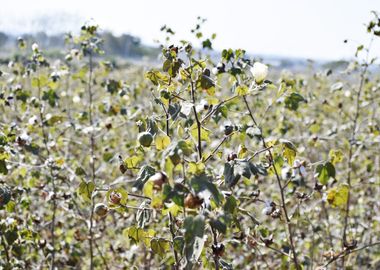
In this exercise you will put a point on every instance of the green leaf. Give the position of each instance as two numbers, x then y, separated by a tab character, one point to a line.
132	162
234	170
194	230
51	96
207	44
325	171
292	101
179	243
230	205
203	182
219	225
176	194
85	190
3	167
144	174
230	177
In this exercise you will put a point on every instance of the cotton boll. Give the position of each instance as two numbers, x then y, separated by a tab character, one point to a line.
32	120
297	163
303	171
76	99
259	71
286	173
35	47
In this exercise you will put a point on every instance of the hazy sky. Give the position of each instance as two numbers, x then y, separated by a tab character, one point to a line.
298	28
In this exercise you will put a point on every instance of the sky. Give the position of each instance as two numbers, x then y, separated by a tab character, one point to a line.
312	29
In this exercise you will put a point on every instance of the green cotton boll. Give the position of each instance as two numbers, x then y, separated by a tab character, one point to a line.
145	139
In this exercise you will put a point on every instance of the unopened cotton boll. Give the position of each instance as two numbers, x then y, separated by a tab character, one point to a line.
259	71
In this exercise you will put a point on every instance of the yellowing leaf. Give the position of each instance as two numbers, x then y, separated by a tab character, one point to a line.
242	151
132	162
290	155
241	90
148	189
196	168
85	190
136	233
212	100
289	151
172	208
60	162
204	133
210	91
338	196
162	141
336	156
160	246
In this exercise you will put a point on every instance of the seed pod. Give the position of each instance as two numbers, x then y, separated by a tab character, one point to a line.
231	156
218	249
193	201
145	139
115	197
158	180
5	196
350	245
276	213
318	187
122	166
228	130
101	209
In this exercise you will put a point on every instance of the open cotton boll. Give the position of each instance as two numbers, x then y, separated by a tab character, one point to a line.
259	71
32	120
205	195
303	171
35	47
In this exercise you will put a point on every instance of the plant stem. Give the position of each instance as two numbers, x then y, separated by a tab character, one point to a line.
345	253
351	150
92	160
217	147
216	257
6	249
171	227
287	219
199	125
49	162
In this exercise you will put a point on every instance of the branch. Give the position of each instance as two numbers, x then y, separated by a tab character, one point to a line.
217	147
352	144
49	163
346	252
288	223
